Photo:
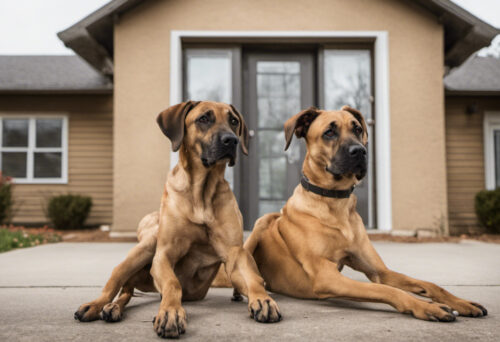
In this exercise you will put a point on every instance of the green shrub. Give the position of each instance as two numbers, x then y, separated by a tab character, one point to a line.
488	209
68	211
6	201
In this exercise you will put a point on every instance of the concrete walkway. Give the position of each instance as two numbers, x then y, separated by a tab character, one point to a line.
41	287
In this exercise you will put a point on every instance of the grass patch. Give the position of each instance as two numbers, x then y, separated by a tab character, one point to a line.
10	239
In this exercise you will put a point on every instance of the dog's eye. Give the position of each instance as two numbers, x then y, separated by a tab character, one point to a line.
357	130
203	119
330	133
233	121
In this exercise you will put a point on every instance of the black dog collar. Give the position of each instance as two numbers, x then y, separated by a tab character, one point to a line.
325	192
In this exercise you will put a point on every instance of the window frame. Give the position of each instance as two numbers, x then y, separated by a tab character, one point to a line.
490	124
31	149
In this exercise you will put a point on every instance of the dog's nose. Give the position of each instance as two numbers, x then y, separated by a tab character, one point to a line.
357	151
229	139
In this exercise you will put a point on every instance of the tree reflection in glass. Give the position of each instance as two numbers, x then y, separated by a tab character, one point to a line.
278	97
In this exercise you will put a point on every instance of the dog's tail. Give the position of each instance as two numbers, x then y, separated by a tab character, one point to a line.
221	279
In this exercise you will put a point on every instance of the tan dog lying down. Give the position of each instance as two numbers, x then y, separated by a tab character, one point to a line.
301	251
198	227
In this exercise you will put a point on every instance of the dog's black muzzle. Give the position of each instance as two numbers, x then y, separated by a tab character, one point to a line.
223	146
350	159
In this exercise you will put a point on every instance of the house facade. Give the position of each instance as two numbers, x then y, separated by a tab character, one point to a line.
270	59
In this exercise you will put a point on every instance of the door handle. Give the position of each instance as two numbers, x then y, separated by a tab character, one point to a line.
251	133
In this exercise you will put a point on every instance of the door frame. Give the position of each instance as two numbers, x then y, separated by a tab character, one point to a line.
380	41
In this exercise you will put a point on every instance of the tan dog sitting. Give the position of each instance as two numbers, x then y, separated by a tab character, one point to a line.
198	227
301	251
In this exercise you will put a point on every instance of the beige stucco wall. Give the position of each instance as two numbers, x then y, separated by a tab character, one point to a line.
142	57
90	166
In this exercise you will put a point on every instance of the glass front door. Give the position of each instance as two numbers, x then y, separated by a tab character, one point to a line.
269	86
277	86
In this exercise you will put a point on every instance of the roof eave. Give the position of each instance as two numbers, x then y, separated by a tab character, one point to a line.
92	37
48	91
89	37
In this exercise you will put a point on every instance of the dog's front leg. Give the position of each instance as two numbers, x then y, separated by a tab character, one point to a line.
171	320
367	260
328	282
244	275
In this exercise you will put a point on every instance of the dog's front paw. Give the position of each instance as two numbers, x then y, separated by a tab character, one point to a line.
88	312
170	323
469	309
435	312
264	310
111	313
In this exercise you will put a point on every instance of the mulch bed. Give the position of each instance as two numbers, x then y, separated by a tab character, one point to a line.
97	235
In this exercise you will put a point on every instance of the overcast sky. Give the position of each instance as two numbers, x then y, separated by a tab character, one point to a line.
30	26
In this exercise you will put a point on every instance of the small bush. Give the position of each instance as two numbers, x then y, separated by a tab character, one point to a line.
6	201
68	211
488	209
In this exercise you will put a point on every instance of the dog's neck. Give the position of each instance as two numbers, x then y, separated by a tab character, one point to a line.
317	175
200	181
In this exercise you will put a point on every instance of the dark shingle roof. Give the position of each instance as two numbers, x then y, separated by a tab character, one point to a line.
54	74
478	75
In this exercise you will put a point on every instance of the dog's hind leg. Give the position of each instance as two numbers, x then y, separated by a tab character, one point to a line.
142	280
112	312
141	255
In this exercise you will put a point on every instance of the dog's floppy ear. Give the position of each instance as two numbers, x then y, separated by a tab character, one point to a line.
299	124
357	114
171	122
243	132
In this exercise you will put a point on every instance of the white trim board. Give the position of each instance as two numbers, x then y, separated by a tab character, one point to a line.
491	122
382	109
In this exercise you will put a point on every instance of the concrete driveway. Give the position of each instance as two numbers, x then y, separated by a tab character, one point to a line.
41	287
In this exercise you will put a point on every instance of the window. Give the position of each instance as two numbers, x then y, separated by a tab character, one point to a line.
208	77
34	149
492	149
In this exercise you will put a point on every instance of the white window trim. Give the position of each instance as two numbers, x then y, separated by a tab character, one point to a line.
31	148
382	109
490	123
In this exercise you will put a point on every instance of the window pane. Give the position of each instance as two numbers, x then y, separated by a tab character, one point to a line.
208	75
49	132
209	78
348	80
497	157
266	206
15	133
47	165
278	92
272	178
14	164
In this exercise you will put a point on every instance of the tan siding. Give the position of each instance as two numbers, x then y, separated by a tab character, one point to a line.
465	159
90	150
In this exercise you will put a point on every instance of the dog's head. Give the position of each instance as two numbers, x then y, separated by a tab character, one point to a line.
210	131
336	140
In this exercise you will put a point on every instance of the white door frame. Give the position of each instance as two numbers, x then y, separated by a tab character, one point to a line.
382	110
491	122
